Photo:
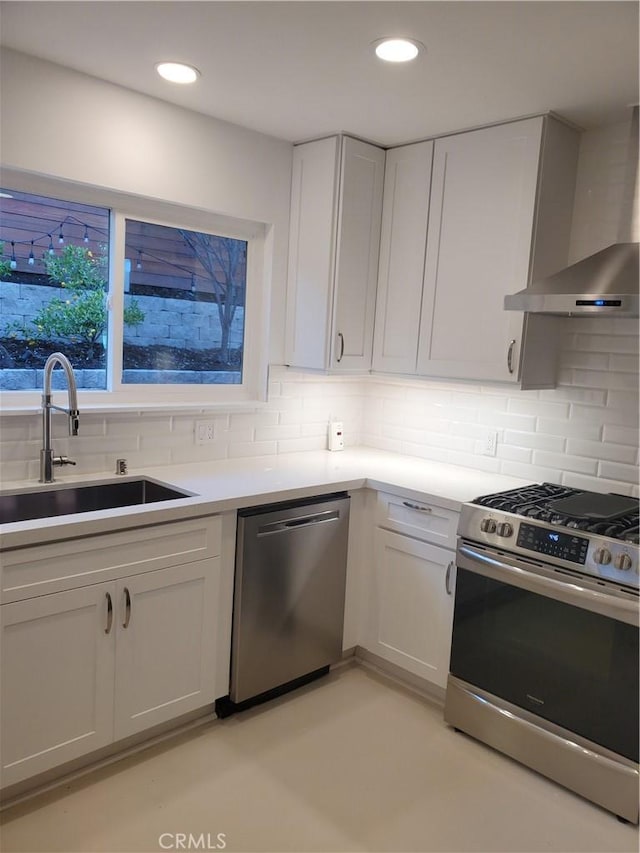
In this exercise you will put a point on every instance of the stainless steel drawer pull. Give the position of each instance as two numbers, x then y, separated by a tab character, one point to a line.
341	336
127	608
107	630
417	506
447	578
512	344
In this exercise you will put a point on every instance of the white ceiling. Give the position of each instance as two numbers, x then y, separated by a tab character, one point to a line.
296	70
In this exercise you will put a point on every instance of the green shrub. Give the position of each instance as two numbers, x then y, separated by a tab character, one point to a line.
82	316
5	265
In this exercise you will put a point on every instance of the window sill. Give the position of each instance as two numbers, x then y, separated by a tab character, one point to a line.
116	408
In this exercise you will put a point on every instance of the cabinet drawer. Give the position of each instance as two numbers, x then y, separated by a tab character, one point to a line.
419	519
43	569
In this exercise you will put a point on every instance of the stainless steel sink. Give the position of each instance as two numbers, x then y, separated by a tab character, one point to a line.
68	500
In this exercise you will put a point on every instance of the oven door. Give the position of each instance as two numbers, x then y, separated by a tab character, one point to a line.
549	643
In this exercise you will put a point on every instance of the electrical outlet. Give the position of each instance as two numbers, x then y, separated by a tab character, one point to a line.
204	432
336	436
489	443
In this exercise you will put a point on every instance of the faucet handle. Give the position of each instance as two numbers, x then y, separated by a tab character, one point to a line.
63	460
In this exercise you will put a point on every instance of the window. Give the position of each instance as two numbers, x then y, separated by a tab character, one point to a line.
53	294
183	306
156	309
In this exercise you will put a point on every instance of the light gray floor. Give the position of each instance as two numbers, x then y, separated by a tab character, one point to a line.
351	763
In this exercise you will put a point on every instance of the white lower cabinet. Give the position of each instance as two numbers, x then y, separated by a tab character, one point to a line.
89	666
411	612
57	680
165	645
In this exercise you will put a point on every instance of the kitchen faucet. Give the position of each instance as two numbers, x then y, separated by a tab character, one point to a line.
47	459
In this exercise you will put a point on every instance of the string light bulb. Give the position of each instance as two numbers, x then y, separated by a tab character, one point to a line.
13	262
51	249
32	259
139	261
61	236
86	234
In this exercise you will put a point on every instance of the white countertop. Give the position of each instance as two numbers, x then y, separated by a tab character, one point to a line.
229	484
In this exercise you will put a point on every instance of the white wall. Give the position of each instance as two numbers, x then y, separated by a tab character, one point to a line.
59	123
606	202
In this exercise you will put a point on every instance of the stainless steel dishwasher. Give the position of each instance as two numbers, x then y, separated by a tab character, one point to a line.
291	561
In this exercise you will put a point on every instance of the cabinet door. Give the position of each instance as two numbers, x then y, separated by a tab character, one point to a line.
405	214
312	245
412	608
479	242
165	645
57	679
360	212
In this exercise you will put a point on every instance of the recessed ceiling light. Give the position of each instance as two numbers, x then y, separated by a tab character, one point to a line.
177	72
397	49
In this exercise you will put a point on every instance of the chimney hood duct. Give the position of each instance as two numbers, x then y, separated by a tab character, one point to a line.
605	283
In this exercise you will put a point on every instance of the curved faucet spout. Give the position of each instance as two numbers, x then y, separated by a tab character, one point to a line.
47	459
72	391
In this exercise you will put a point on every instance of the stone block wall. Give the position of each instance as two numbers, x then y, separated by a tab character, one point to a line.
179	323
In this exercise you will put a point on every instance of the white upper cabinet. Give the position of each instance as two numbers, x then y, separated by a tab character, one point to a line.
405	215
336	208
492	213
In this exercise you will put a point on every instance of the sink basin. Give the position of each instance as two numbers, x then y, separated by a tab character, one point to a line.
68	500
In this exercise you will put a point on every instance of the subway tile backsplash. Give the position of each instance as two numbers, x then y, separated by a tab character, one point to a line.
583	433
295	419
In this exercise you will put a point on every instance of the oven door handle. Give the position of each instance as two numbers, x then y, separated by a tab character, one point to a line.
568	592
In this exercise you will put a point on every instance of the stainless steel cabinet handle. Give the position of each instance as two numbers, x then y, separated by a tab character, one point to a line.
417	506
107	630
512	345
301	521
341	336
447	578
127	608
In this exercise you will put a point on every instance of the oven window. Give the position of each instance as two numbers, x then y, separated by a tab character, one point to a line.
574	668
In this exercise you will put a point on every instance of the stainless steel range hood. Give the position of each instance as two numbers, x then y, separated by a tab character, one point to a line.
605	283
602	284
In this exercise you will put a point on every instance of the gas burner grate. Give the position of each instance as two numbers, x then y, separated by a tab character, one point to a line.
538	502
525	498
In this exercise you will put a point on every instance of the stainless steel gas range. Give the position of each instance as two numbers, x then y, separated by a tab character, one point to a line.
544	657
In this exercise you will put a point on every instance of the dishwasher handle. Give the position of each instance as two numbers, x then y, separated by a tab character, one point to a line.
300	521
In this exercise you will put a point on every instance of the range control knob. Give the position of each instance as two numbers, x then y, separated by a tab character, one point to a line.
623	562
505	529
602	556
488	525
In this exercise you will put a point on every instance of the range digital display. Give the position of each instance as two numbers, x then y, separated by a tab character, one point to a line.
555	543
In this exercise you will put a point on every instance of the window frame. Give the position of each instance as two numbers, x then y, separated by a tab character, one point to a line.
252	391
